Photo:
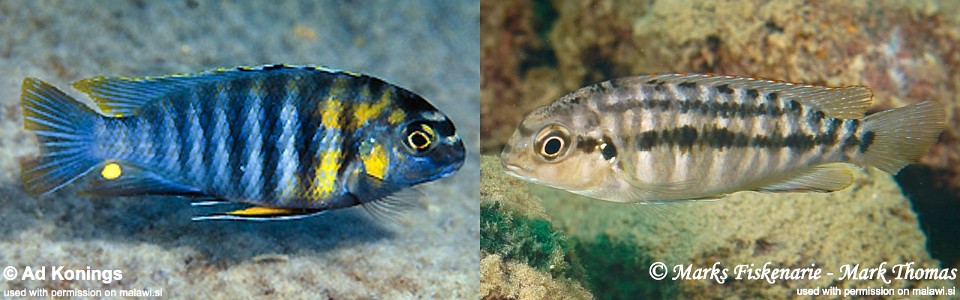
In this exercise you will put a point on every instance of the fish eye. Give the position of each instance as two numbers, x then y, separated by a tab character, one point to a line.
552	142
551	148
420	137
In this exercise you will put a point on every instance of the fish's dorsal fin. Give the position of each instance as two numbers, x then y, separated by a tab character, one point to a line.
124	96
823	178
849	102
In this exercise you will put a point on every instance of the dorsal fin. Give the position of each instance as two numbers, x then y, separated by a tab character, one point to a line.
841	102
123	96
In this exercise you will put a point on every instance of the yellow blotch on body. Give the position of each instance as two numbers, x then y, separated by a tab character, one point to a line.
376	162
111	171
324	180
367	111
330	114
332	108
396	117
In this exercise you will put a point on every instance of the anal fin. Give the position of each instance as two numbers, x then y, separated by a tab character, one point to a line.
823	178
262	213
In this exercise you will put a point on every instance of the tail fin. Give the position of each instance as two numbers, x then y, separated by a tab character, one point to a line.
902	135
64	129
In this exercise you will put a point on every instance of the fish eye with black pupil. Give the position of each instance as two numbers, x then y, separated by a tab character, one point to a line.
552	143
419	138
551	148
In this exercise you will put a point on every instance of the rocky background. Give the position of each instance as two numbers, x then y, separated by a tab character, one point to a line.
533	52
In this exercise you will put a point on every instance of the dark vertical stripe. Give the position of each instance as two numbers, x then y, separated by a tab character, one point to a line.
272	104
182	123
309	105
209	105
159	135
866	141
237	100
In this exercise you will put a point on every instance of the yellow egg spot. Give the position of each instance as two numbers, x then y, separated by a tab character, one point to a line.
376	162
111	171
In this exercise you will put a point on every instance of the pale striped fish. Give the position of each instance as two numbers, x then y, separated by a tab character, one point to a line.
289	141
662	138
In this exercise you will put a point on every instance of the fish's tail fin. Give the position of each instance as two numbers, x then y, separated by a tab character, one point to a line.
894	138
64	129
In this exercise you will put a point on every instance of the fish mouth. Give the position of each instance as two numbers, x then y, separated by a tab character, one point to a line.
517	171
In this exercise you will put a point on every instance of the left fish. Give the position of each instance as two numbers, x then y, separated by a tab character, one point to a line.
290	141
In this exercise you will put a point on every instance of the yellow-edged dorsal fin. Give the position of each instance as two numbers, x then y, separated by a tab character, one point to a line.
124	96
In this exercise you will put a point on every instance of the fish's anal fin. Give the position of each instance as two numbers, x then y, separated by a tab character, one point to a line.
262	213
118	178
824	178
850	102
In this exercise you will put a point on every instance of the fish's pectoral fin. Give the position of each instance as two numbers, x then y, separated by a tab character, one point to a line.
119	178
262	213
823	178
667	192
390	207
382	199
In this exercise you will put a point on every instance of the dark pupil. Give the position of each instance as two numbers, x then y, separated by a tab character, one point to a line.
552	147
419	139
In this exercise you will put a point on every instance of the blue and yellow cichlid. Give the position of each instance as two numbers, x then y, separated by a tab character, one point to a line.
290	141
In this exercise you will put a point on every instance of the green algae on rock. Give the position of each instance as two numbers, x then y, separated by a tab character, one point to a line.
522	255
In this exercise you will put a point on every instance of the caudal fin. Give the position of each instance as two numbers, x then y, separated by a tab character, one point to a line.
64	129
902	135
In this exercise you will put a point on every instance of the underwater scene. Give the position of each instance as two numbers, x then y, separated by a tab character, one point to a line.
239	149
833	176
